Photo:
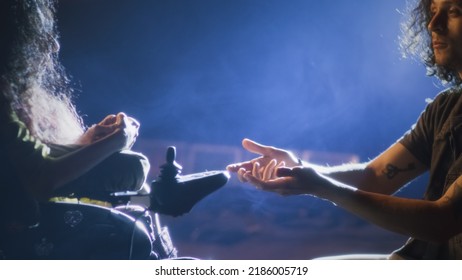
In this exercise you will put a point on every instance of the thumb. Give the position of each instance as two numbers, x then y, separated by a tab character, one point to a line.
284	172
289	172
255	147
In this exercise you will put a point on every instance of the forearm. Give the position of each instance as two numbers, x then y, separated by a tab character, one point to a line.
120	172
426	220
352	174
58	171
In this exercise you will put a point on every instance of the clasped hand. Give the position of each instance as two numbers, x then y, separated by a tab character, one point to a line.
119	126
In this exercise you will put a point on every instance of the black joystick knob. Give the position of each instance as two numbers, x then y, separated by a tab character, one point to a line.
175	195
170	170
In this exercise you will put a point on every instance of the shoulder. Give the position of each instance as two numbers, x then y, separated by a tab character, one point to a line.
420	138
17	139
441	107
445	99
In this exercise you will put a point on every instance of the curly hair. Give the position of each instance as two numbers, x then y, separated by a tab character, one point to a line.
416	41
33	81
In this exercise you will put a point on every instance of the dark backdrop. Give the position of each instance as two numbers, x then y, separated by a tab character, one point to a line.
310	75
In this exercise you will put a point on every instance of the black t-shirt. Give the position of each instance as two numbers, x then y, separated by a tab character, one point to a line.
436	141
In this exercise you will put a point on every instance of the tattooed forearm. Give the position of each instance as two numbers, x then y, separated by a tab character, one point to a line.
391	171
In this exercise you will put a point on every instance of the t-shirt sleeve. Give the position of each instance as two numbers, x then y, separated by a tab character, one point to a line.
419	139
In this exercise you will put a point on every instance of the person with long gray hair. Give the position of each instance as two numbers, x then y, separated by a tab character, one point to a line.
46	151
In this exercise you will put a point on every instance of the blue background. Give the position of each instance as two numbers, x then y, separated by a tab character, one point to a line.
299	74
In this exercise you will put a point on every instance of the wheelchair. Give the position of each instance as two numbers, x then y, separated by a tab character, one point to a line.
84	228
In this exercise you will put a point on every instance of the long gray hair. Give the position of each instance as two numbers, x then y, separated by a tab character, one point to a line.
33	81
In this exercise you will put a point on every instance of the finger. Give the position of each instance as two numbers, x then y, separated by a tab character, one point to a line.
120	119
260	172
109	119
240	175
268	171
253	180
256	170
132	130
256	148
133	122
280	164
271	185
234	167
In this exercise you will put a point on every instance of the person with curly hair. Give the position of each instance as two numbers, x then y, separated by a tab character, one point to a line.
434	144
45	149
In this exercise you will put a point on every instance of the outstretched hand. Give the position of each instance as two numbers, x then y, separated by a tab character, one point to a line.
265	166
290	181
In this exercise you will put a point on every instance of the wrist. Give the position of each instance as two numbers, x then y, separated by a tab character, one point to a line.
333	190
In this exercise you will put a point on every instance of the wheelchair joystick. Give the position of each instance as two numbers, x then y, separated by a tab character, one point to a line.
174	195
171	169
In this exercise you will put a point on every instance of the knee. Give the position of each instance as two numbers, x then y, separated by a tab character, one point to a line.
132	167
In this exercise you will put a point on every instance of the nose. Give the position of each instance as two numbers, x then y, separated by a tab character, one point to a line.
437	23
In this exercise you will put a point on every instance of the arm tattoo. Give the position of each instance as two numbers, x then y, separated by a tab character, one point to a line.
391	171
